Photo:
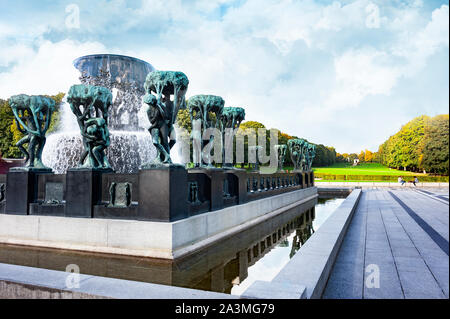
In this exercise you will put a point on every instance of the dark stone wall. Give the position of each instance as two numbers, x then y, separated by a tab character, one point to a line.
167	194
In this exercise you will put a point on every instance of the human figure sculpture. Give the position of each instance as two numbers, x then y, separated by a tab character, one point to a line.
128	194
254	150
232	117
90	104
162	111
304	157
112	194
193	193
281	155
201	108
196	136
159	129
230	120
311	155
97	138
296	150
32	117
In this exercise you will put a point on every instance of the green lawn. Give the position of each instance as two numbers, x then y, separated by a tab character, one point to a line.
363	169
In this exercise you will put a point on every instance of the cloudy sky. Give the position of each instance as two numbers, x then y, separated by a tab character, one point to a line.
346	73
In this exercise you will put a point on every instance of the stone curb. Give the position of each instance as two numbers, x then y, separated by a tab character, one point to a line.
30	282
312	265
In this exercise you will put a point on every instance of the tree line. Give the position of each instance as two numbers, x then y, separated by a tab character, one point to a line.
422	144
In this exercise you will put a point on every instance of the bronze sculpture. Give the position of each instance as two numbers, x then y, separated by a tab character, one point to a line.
90	104
162	111
32	117
201	109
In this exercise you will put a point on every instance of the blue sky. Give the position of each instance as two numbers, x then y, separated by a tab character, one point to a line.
341	73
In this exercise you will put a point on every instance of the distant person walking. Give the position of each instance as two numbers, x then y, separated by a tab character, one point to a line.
401	180
415	181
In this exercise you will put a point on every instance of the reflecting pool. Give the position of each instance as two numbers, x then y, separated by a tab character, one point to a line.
229	266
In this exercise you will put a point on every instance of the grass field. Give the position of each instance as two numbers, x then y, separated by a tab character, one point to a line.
363	169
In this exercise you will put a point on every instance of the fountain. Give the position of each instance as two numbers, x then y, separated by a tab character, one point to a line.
131	145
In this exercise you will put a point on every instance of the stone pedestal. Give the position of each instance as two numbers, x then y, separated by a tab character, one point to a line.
22	190
163	194
83	191
307	179
216	177
302	176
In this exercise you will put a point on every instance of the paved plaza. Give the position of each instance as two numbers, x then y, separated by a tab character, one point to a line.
403	234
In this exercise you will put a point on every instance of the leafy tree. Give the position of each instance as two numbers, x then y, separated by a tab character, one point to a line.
421	143
184	120
376	157
6	138
362	156
434	147
368	156
352	157
252	125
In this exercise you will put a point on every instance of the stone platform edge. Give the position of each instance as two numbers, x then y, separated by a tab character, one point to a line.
36	283
142	238
306	274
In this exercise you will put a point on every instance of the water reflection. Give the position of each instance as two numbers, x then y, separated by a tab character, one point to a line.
229	266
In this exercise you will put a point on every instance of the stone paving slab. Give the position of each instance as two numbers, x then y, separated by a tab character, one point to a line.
411	264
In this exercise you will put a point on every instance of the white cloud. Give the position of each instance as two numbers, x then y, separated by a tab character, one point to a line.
297	66
49	70
358	74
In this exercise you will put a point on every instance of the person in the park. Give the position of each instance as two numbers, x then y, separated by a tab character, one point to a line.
401	180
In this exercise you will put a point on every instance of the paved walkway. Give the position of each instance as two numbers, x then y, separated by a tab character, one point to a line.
403	233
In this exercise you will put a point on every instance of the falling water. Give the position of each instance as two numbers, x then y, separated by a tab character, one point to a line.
128	149
131	145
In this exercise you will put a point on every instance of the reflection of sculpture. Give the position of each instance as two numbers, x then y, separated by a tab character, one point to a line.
281	155
162	110
93	122
32	116
201	108
230	119
296	150
303	231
